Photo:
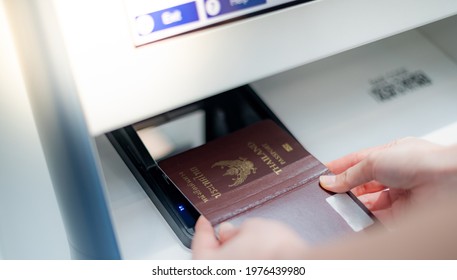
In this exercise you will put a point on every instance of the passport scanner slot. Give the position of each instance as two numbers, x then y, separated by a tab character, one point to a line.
144	144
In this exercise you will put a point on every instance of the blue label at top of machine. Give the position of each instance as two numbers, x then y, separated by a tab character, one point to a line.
219	7
167	18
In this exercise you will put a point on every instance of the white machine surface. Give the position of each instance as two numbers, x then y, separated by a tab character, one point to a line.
335	111
131	84
310	63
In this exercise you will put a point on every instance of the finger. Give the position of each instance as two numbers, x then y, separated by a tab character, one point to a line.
354	176
340	165
226	232
369	187
377	201
204	238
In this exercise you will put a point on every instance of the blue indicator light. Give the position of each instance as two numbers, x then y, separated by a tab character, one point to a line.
163	19
216	8
181	208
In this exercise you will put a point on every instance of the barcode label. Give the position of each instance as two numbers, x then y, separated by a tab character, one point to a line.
397	83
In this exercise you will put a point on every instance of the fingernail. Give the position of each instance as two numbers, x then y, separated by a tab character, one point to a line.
226	226
224	231
327	180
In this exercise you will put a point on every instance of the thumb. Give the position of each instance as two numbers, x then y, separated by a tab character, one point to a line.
354	176
226	232
204	240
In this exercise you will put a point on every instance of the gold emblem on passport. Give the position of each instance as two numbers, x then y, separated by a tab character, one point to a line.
241	168
287	147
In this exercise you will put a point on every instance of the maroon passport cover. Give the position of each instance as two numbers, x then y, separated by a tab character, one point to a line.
258	171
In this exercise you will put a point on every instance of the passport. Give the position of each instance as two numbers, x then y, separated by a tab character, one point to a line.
263	171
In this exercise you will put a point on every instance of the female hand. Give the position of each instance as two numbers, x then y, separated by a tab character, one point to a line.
254	239
395	177
392	178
